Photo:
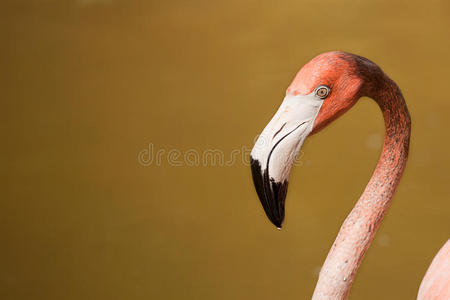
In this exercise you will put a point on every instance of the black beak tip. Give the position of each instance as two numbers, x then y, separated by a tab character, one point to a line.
272	194
278	222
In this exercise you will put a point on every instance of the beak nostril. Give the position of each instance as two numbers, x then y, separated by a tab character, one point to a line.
279	130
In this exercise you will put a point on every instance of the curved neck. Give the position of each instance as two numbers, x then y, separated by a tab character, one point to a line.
359	228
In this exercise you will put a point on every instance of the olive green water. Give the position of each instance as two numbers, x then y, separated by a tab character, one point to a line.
88	84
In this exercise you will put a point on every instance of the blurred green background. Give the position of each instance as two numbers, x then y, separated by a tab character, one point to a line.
88	84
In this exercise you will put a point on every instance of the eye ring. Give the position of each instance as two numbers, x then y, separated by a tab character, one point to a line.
322	91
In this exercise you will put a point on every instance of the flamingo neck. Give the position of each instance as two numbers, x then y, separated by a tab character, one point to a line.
359	228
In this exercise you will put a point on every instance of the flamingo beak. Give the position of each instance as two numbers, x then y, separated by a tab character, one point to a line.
277	148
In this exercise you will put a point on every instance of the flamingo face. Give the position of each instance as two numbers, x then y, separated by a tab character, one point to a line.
323	89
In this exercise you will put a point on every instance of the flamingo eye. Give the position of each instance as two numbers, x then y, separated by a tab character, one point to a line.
322	91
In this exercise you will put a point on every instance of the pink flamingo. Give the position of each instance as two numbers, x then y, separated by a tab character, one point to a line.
325	88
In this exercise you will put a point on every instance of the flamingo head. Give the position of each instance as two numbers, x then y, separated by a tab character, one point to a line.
323	89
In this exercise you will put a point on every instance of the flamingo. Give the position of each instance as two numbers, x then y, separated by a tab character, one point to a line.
324	89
